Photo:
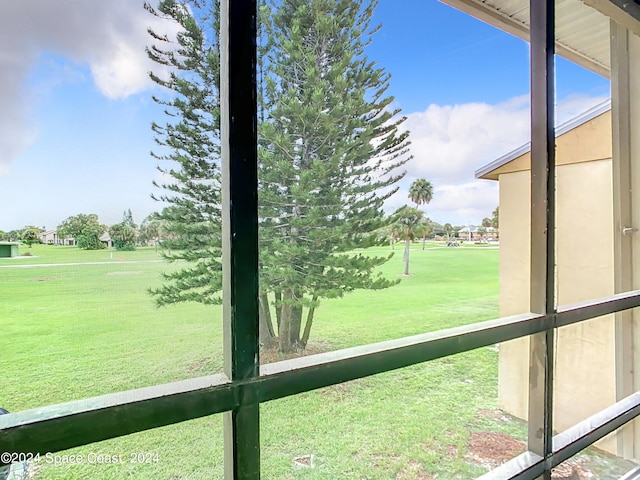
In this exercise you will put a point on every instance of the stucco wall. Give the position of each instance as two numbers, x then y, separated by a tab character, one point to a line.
513	366
590	141
585	360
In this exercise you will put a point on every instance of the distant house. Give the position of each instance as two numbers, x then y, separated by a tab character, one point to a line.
472	233
106	239
469	233
50	237
585	376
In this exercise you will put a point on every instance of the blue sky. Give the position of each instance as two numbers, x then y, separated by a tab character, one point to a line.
76	106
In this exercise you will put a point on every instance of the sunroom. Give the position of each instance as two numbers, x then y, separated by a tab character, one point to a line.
601	35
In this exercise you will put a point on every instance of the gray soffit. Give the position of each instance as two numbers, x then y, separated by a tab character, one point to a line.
582	32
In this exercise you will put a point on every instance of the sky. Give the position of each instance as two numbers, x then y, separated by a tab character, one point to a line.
76	106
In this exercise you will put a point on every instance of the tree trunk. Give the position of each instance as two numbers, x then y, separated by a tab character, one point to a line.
290	320
307	326
267	333
407	247
278	296
296	324
424	240
284	338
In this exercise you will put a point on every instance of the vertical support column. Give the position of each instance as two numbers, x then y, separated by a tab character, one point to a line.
633	59
542	296
622	215
240	230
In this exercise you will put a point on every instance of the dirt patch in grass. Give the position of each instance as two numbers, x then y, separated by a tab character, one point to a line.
451	450
305	461
272	355
491	449
43	279
413	471
571	470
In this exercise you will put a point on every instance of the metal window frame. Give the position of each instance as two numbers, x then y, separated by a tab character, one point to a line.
542	273
244	385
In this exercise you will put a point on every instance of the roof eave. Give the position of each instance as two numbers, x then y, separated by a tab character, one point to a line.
518	29
485	172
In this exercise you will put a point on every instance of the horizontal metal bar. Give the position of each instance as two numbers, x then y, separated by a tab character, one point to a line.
72	424
632	474
578	312
298	375
58	427
526	466
589	431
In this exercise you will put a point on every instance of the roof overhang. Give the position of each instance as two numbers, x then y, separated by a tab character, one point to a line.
487	172
582	26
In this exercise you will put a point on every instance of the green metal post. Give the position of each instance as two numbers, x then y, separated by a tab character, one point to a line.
240	230
542	295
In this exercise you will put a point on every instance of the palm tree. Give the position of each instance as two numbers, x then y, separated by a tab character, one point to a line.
408	224
421	192
495	220
427	229
394	236
448	230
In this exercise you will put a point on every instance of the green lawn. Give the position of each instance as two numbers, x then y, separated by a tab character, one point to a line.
72	331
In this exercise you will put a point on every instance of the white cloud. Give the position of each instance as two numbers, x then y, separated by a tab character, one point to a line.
465	203
120	73
110	37
450	142
458	204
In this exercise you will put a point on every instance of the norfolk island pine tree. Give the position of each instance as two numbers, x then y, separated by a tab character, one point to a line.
330	150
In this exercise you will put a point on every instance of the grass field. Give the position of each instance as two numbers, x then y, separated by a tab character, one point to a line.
77	324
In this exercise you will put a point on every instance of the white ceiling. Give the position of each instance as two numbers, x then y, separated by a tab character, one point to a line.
582	33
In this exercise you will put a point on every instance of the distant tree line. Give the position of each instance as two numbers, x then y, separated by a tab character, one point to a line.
125	235
86	230
29	234
88	233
